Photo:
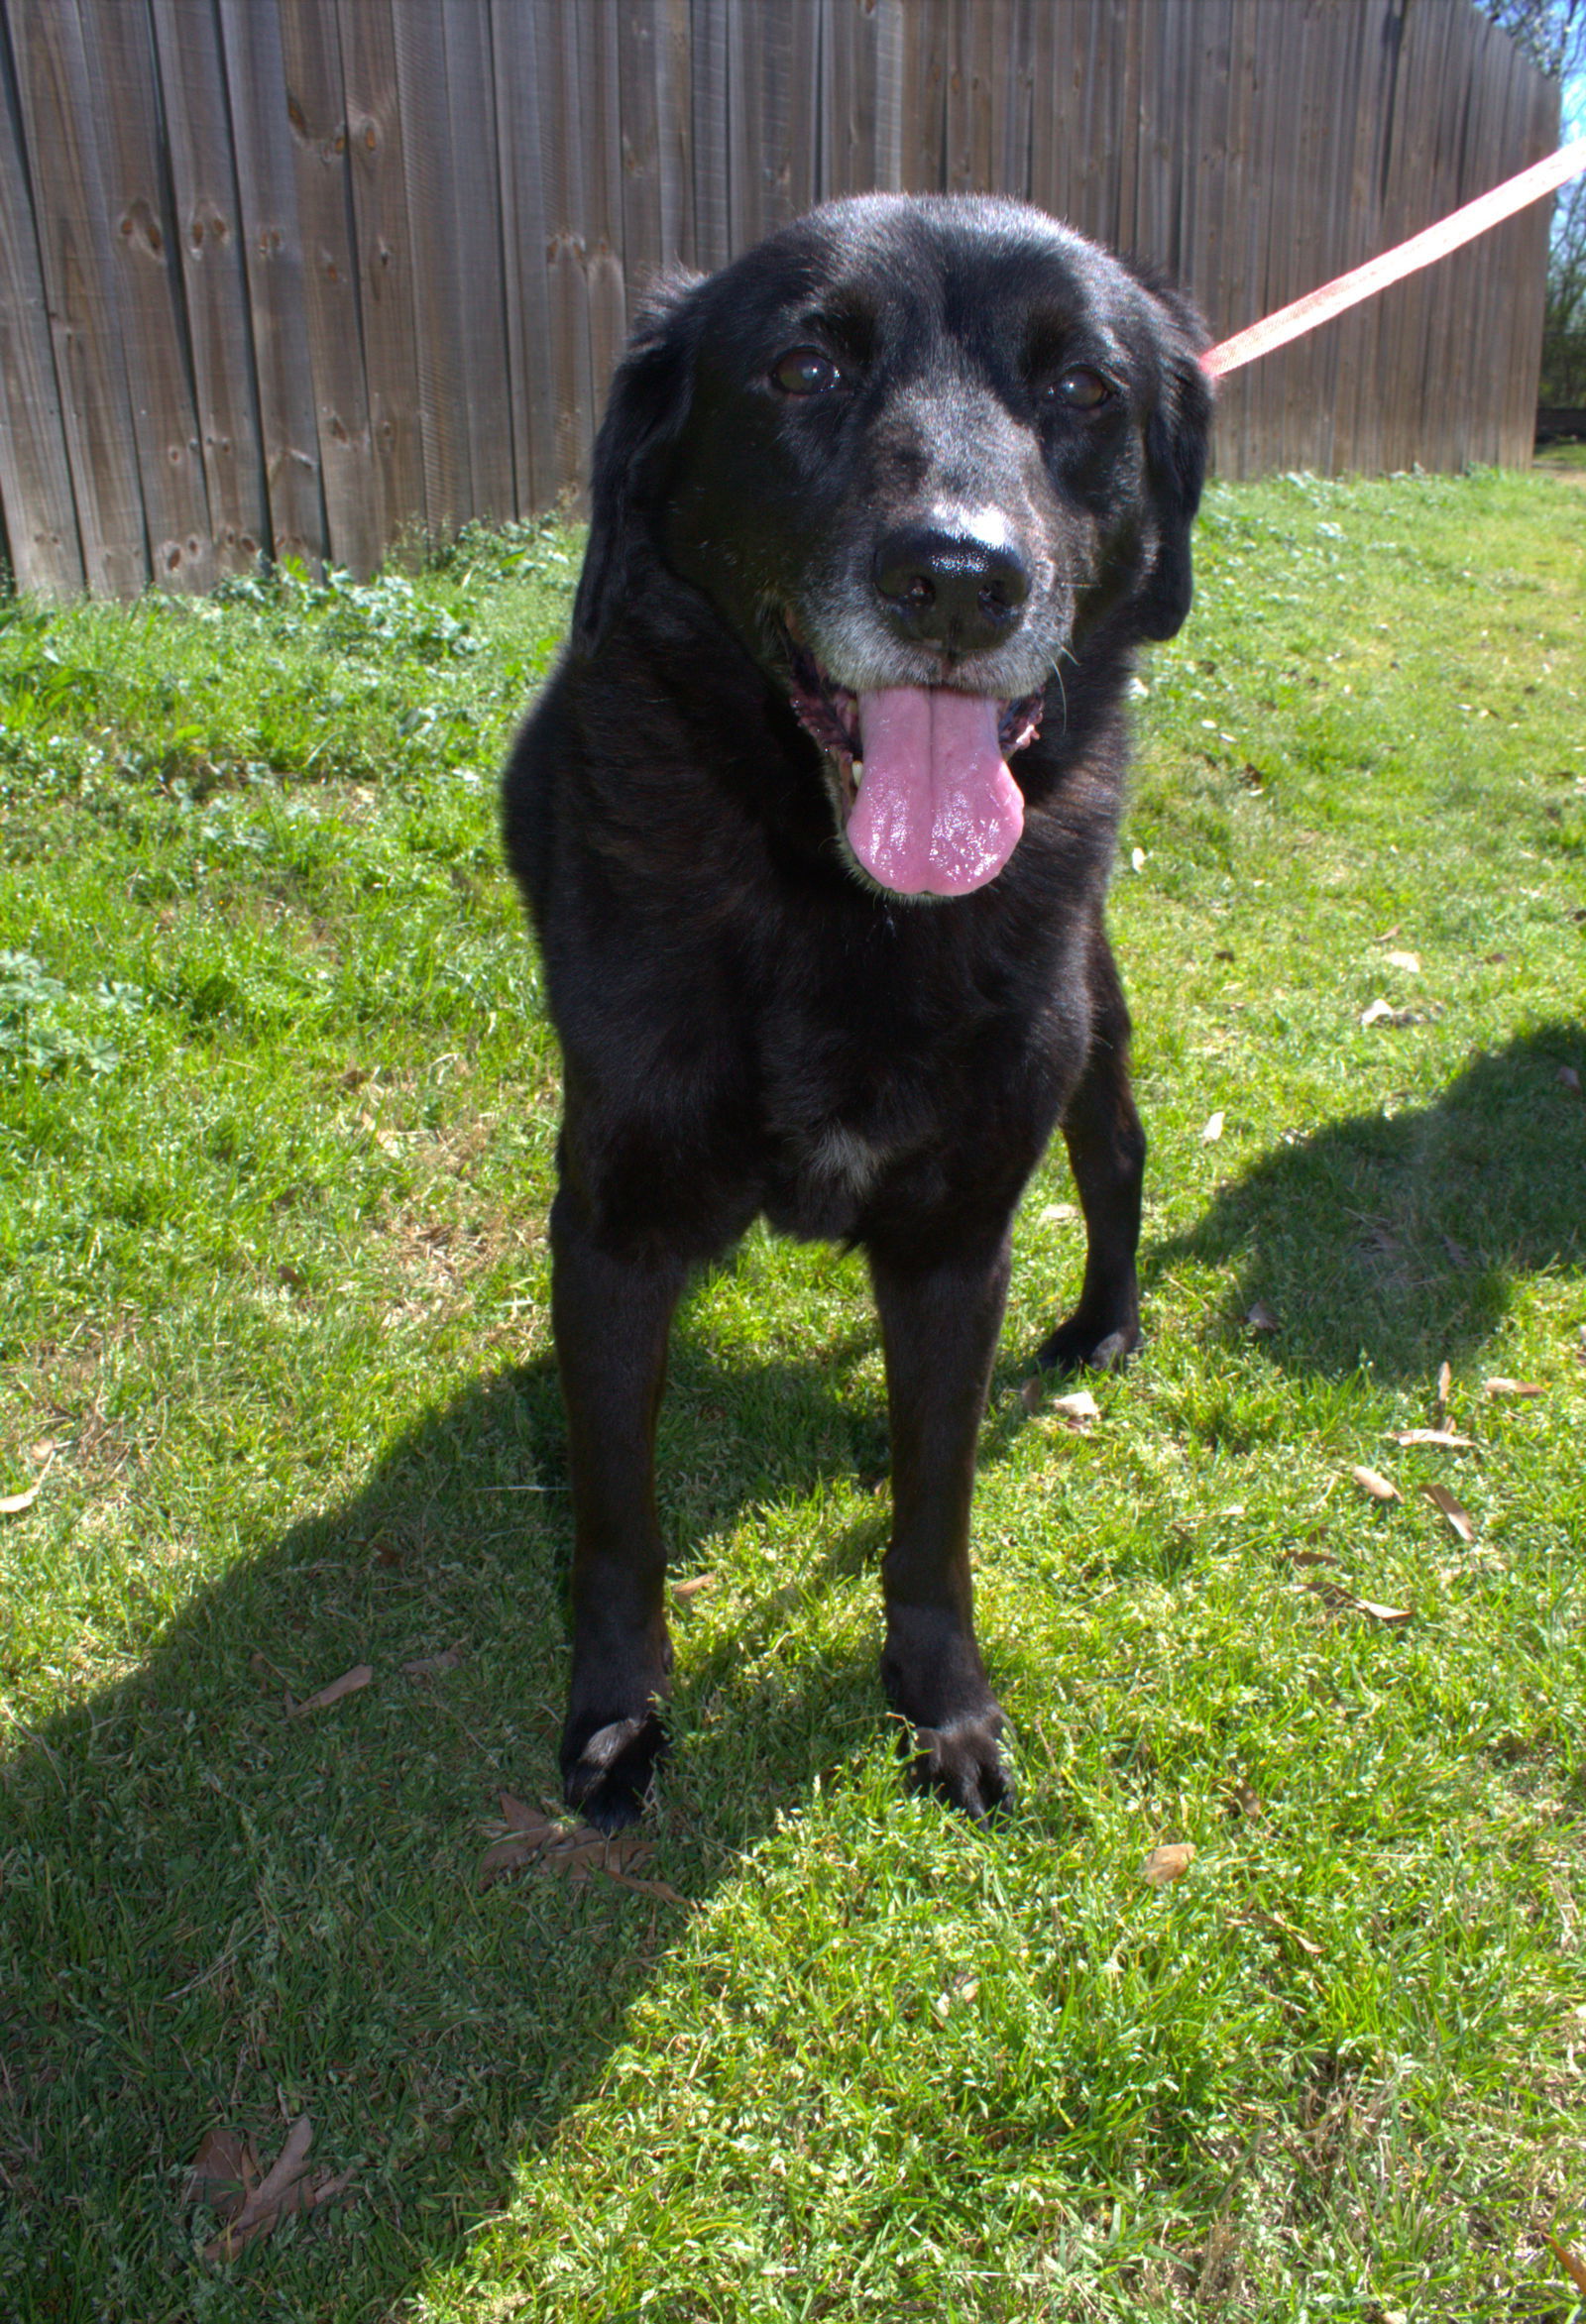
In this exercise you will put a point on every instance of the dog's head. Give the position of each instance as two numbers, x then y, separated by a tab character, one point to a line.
917	454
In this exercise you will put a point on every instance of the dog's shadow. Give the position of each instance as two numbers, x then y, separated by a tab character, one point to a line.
212	1875
251	1908
1394	1241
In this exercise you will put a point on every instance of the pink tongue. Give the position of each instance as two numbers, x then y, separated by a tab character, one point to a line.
938	811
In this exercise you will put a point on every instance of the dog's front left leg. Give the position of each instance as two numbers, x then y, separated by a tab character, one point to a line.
612	1318
939	1332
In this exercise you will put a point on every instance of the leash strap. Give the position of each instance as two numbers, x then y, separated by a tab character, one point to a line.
1435	242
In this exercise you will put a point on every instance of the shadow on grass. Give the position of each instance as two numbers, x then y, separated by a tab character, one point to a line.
222	1915
1396	1241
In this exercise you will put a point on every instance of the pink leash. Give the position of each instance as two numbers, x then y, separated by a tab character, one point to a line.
1462	225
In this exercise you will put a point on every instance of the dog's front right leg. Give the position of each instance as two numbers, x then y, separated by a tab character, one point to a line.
612	1317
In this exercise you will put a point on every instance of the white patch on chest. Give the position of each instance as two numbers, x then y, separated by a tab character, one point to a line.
845	1159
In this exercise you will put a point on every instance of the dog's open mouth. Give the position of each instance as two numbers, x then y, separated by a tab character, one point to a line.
928	803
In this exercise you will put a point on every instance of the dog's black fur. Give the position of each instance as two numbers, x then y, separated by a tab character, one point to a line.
903	444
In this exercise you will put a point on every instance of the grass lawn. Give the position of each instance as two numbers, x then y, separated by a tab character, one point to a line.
277	1113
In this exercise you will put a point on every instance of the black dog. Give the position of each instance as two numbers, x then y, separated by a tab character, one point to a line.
815	823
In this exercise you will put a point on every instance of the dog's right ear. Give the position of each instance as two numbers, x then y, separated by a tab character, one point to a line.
644	414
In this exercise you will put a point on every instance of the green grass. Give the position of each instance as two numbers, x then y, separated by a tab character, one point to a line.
277	1114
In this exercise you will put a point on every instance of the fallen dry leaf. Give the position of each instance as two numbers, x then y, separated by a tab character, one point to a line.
575	1850
1212	1130
1260	1318
348	1684
692	1587
1311	1557
1408	961
224	2174
1078	1411
430	1666
1280	1928
1171	1861
1569	1078
1460	1518
12	1504
1380	1012
1389	1615
1574	2267
1448	1438
1445	1381
1515	1388
252	2210
1377	1485
1057	1214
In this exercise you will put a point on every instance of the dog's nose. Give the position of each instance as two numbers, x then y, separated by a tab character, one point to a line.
958	590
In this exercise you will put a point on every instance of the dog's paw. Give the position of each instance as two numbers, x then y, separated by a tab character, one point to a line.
963	1764
607	1773
1077	1345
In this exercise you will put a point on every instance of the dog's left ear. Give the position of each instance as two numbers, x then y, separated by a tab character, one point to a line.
644	414
1177	440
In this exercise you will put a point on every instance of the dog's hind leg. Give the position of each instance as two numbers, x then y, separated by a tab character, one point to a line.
612	1320
1107	1156
939	1330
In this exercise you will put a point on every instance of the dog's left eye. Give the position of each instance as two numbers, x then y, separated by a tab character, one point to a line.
1080	387
805	371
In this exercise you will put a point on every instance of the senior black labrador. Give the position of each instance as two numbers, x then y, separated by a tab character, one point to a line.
814	821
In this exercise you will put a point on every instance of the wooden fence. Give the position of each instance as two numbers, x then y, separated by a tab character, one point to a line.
302	277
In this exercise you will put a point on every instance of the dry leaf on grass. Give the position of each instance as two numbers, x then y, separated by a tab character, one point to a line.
12	1504
1212	1130
1572	2265
1515	1388
1383	1012
576	1850
1460	1518
225	2177
1171	1861
1408	961
1077	1411
1277	1927
348	1684
1260	1318
1392	1616
1445	1381
693	1587
1449	1438
430	1666
1569	1078
224	2174
1378	1487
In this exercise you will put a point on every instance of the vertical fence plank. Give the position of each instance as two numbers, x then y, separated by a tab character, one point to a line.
657	149
272	254
203	170
316	114
600	127
473	167
710	137
34	472
523	228
562	152
384	251
435	259
60	129
140	217
927	28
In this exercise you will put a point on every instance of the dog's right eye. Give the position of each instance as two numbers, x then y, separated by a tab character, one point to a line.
805	371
